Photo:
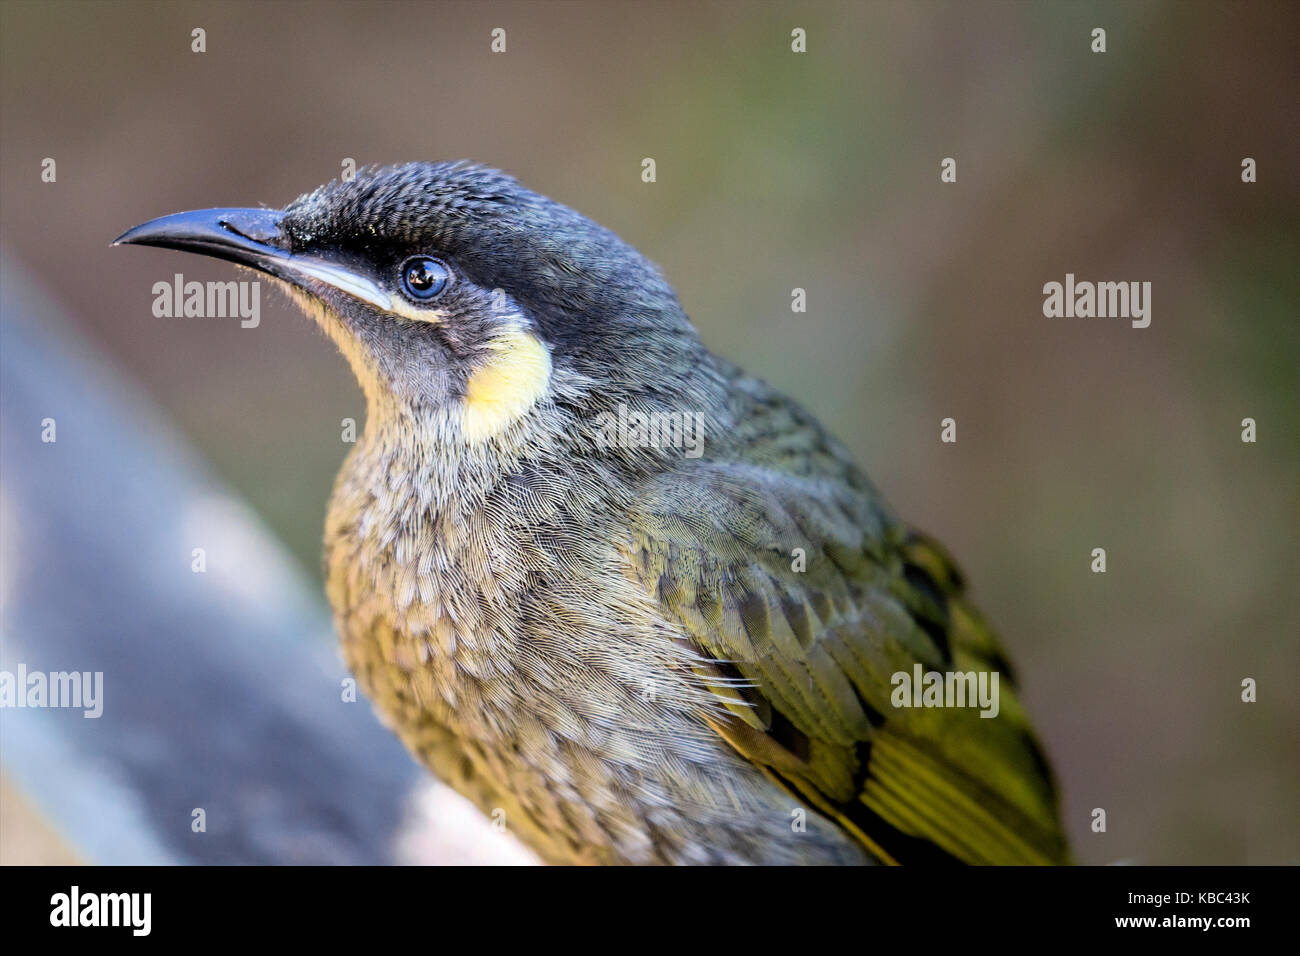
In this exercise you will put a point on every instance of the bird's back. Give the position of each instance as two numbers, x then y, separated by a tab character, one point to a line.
780	562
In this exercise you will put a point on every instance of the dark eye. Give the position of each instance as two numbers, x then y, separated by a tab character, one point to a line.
423	277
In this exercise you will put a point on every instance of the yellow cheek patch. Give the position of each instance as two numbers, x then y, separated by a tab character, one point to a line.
513	379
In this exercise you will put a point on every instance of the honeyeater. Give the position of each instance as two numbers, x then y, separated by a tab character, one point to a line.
602	580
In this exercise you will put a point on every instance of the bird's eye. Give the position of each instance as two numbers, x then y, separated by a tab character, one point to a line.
423	277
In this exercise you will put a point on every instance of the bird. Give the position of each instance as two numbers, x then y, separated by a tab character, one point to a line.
627	647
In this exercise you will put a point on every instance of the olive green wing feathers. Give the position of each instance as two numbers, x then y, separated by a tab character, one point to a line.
806	598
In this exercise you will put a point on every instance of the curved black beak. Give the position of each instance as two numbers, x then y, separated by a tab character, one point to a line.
245	236
249	237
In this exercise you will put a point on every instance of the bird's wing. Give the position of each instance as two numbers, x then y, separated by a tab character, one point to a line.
808	598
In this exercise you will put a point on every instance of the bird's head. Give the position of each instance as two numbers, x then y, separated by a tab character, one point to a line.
461	297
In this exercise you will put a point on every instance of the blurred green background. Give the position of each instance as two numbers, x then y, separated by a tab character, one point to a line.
820	171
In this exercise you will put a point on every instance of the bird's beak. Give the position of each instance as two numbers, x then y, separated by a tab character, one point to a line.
250	237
